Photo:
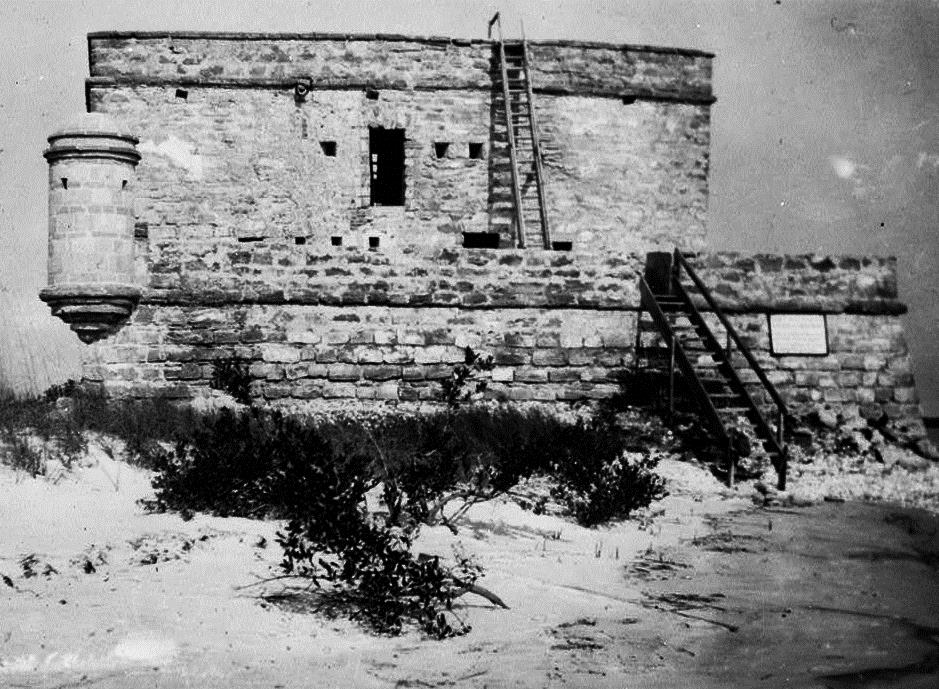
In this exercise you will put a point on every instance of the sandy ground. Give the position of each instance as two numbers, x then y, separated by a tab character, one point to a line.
704	590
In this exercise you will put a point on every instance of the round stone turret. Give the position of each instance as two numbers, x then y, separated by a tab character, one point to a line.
91	226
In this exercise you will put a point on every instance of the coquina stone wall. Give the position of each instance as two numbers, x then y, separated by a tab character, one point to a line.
256	238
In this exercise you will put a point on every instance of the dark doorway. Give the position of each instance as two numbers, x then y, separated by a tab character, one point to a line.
386	160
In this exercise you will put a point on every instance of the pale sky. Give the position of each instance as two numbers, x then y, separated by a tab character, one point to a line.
825	135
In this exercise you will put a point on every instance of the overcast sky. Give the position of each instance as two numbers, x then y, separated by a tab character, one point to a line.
825	134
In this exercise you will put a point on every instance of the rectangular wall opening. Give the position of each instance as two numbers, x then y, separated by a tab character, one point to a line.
476	151
441	148
299	241
373	243
562	246
182	94
335	240
481	240
386	161
329	148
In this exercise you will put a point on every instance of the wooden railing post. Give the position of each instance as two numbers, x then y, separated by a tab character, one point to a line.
731	463
671	380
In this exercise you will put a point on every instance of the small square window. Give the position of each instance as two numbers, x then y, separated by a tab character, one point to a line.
441	148
373	243
335	241
371	94
476	151
299	241
182	93
329	148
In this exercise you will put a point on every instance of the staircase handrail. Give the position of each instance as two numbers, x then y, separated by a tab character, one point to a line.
682	262
684	364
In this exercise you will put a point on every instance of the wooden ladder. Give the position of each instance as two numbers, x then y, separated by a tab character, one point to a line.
710	371
530	216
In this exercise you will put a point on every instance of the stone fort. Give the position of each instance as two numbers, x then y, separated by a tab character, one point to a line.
347	213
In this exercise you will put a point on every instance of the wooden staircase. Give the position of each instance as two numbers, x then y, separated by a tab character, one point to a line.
516	172
676	338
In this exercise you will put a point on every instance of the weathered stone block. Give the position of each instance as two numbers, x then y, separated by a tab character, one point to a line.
387	391
503	374
344	372
381	372
279	353
563	375
338	390
525	374
549	357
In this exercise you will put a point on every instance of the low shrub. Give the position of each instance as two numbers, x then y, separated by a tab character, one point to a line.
316	475
63	415
230	374
34	431
244	464
367	563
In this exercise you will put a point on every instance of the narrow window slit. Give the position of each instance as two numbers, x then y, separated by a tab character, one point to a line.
247	240
123	184
65	182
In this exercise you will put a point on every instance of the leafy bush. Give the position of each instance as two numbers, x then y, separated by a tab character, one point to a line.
230	374
244	464
455	390
367	562
316	474
241	464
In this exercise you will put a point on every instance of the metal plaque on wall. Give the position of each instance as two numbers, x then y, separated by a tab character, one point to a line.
798	334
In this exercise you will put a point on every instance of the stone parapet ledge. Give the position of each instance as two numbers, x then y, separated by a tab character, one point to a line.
800	283
390	61
279	273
